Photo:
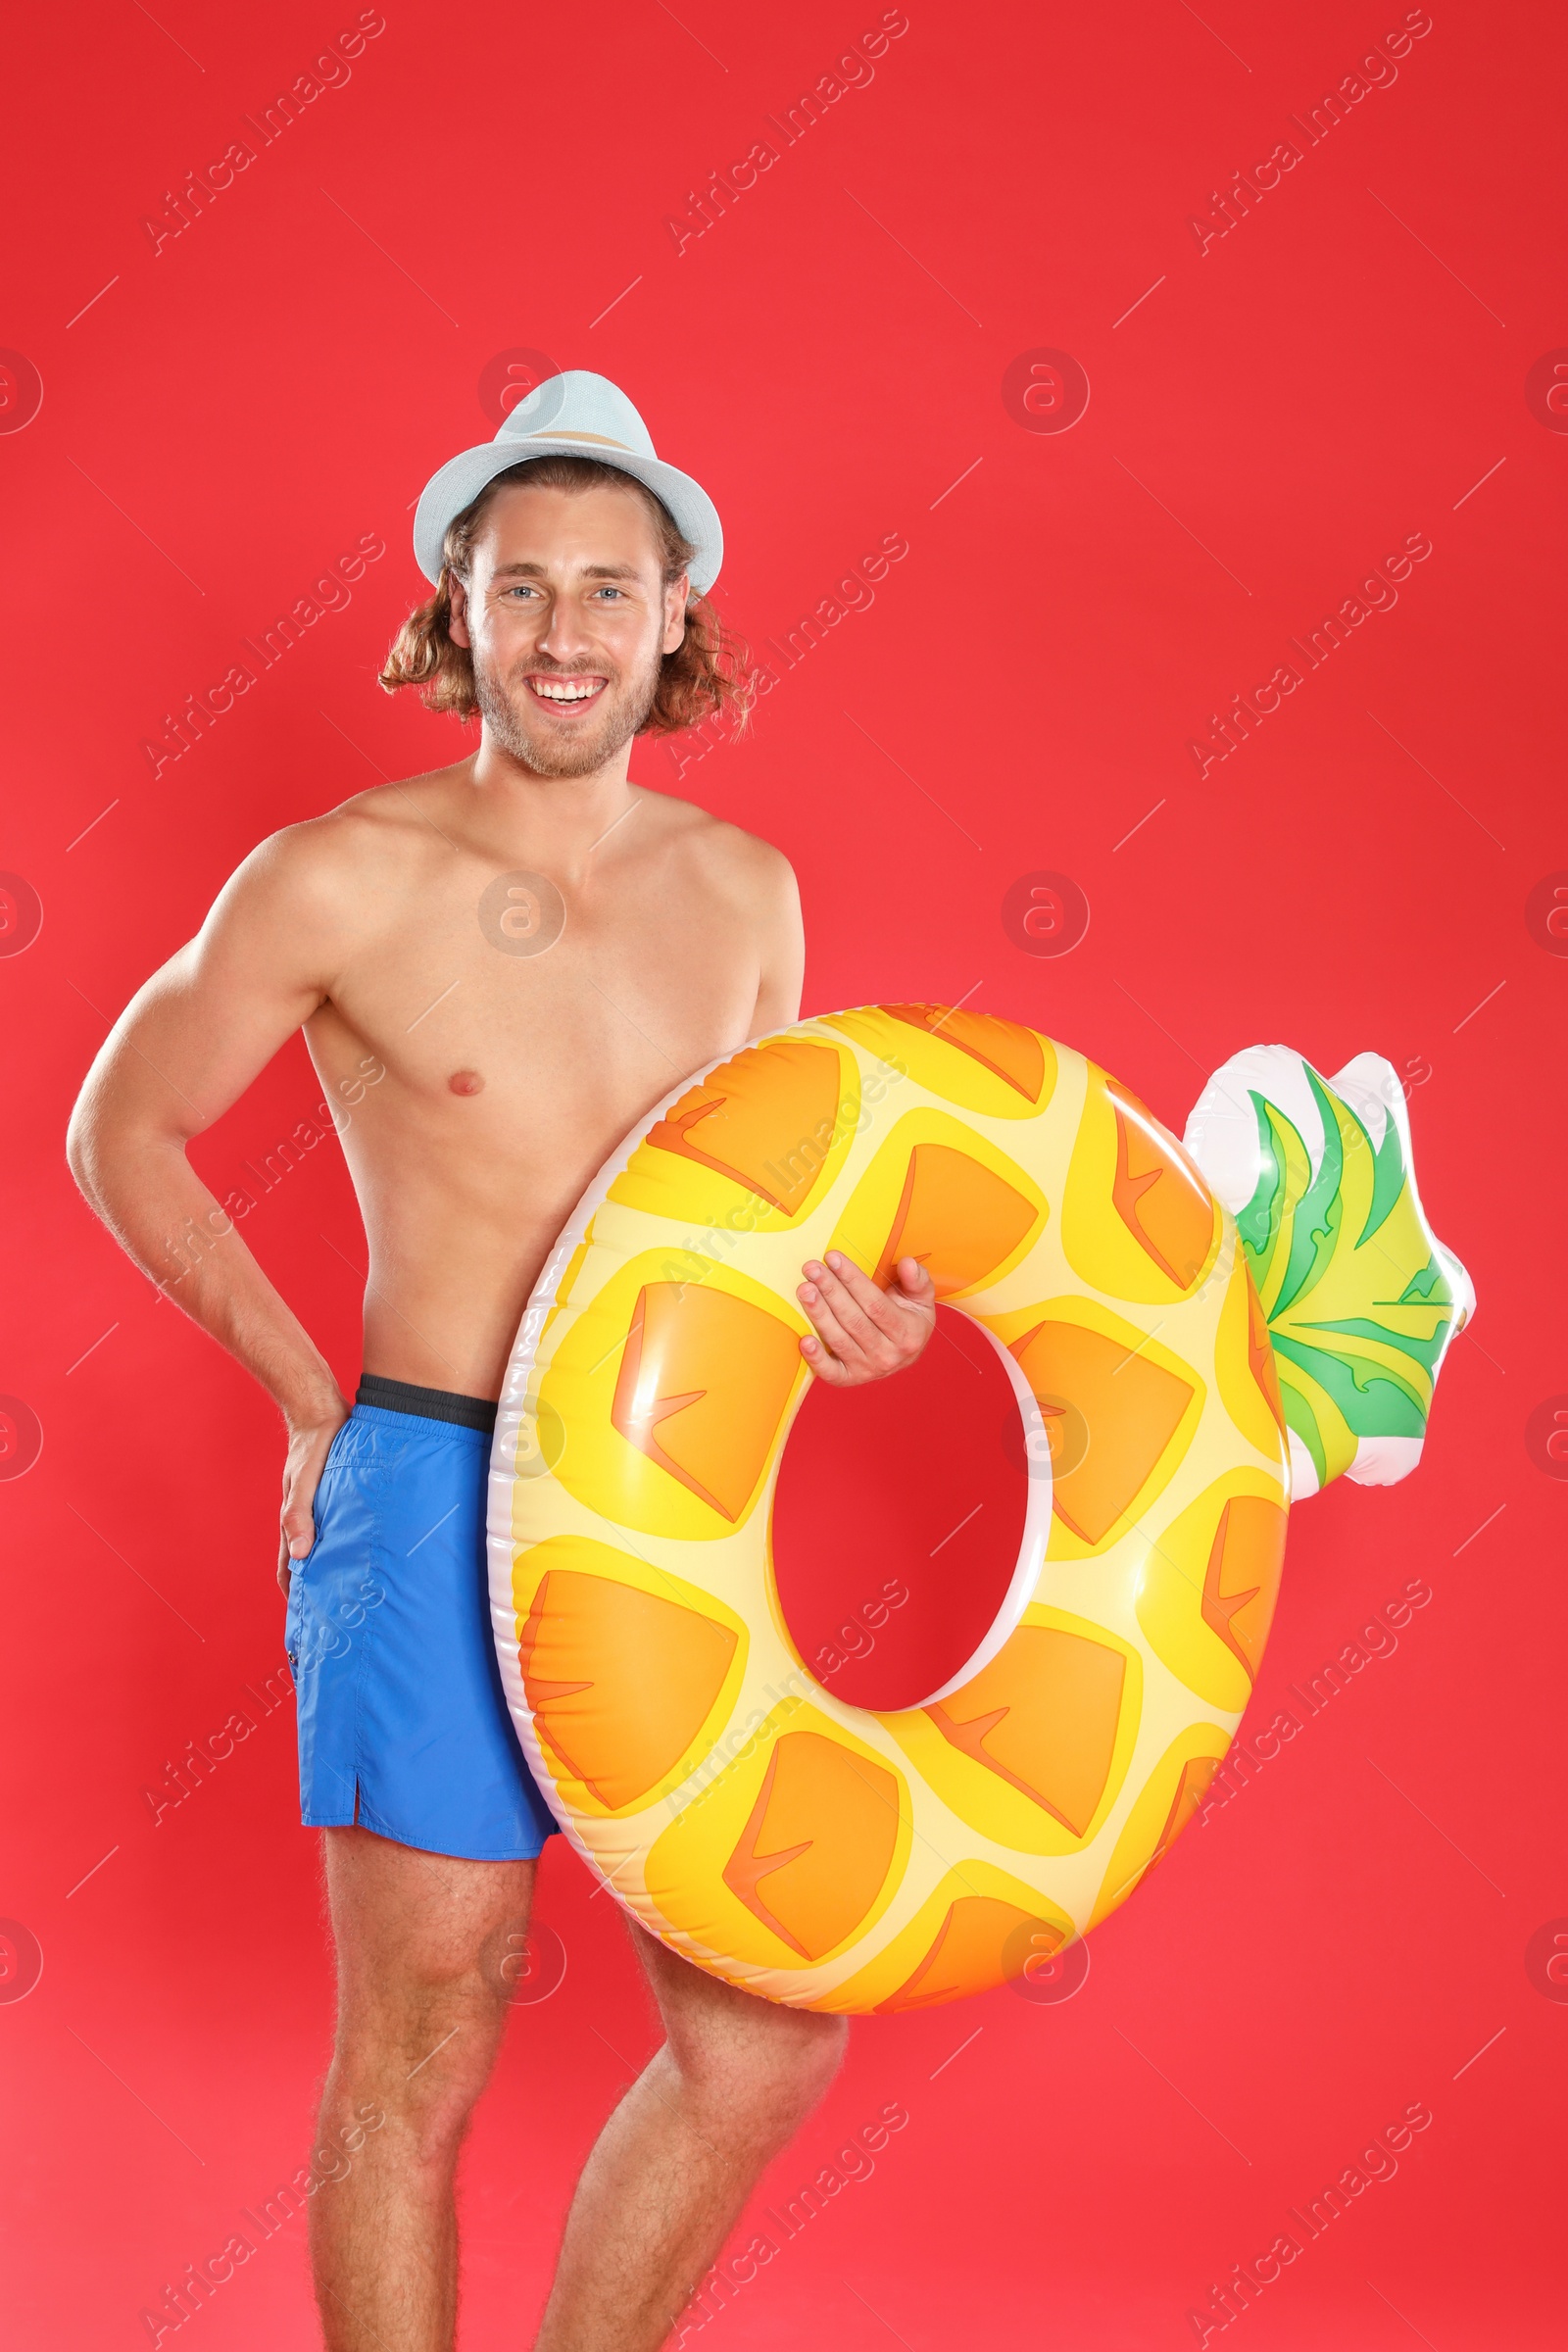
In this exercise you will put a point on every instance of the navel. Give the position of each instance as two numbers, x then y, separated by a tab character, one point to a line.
466	1082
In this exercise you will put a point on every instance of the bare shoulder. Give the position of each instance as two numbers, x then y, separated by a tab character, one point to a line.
351	848
389	824
322	881
721	856
721	864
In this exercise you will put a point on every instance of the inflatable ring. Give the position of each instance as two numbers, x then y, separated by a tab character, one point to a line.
808	1850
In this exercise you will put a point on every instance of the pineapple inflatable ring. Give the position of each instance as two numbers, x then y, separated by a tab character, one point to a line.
1235	1319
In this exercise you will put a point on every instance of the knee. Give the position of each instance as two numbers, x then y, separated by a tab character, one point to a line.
765	2083
810	2078
423	2050
813	2058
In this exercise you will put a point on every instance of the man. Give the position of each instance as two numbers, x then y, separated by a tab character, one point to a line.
502	965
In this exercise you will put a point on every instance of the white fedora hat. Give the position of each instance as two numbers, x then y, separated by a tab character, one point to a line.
579	415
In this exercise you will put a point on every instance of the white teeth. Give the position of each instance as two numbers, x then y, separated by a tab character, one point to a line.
562	694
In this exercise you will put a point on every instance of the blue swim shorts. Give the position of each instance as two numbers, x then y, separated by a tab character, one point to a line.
403	1723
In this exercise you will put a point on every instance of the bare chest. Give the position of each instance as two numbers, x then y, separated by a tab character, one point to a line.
500	1005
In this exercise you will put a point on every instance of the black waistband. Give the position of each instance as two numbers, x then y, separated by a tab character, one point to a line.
433	1404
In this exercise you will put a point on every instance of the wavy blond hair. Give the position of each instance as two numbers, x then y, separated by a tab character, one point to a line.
707	677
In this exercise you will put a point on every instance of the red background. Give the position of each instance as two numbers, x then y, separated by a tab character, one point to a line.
226	417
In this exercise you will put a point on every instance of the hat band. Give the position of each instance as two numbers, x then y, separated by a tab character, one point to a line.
603	439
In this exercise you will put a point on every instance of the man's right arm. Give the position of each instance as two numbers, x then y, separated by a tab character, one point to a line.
186	1046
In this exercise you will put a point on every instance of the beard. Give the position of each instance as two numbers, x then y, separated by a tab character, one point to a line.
509	708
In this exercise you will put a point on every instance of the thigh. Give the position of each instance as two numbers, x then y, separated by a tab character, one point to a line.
715	2028
411	1925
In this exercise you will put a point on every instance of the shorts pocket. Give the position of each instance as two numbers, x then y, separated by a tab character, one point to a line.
320	1511
291	1620
327	1486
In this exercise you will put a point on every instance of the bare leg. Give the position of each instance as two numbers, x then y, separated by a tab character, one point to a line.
421	2005
674	2166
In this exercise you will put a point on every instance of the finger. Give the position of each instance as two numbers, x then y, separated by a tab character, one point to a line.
862	1313
911	1299
299	1498
831	1333
919	1289
901	1313
851	1337
856	1282
299	1529
285	1576
826	1368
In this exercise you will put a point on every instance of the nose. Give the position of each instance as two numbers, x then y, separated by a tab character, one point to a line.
566	638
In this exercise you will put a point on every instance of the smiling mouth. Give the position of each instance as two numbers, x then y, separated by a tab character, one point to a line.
565	694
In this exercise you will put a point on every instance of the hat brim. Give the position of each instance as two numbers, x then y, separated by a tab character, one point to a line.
459	481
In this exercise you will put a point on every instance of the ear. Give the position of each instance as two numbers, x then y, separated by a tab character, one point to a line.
675	601
458	612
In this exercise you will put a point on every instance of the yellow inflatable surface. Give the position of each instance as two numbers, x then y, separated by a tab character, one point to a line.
809	1851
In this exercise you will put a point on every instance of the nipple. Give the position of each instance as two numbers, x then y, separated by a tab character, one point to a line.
466	1082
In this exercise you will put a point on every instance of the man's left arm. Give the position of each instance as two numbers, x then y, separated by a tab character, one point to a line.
862	1332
